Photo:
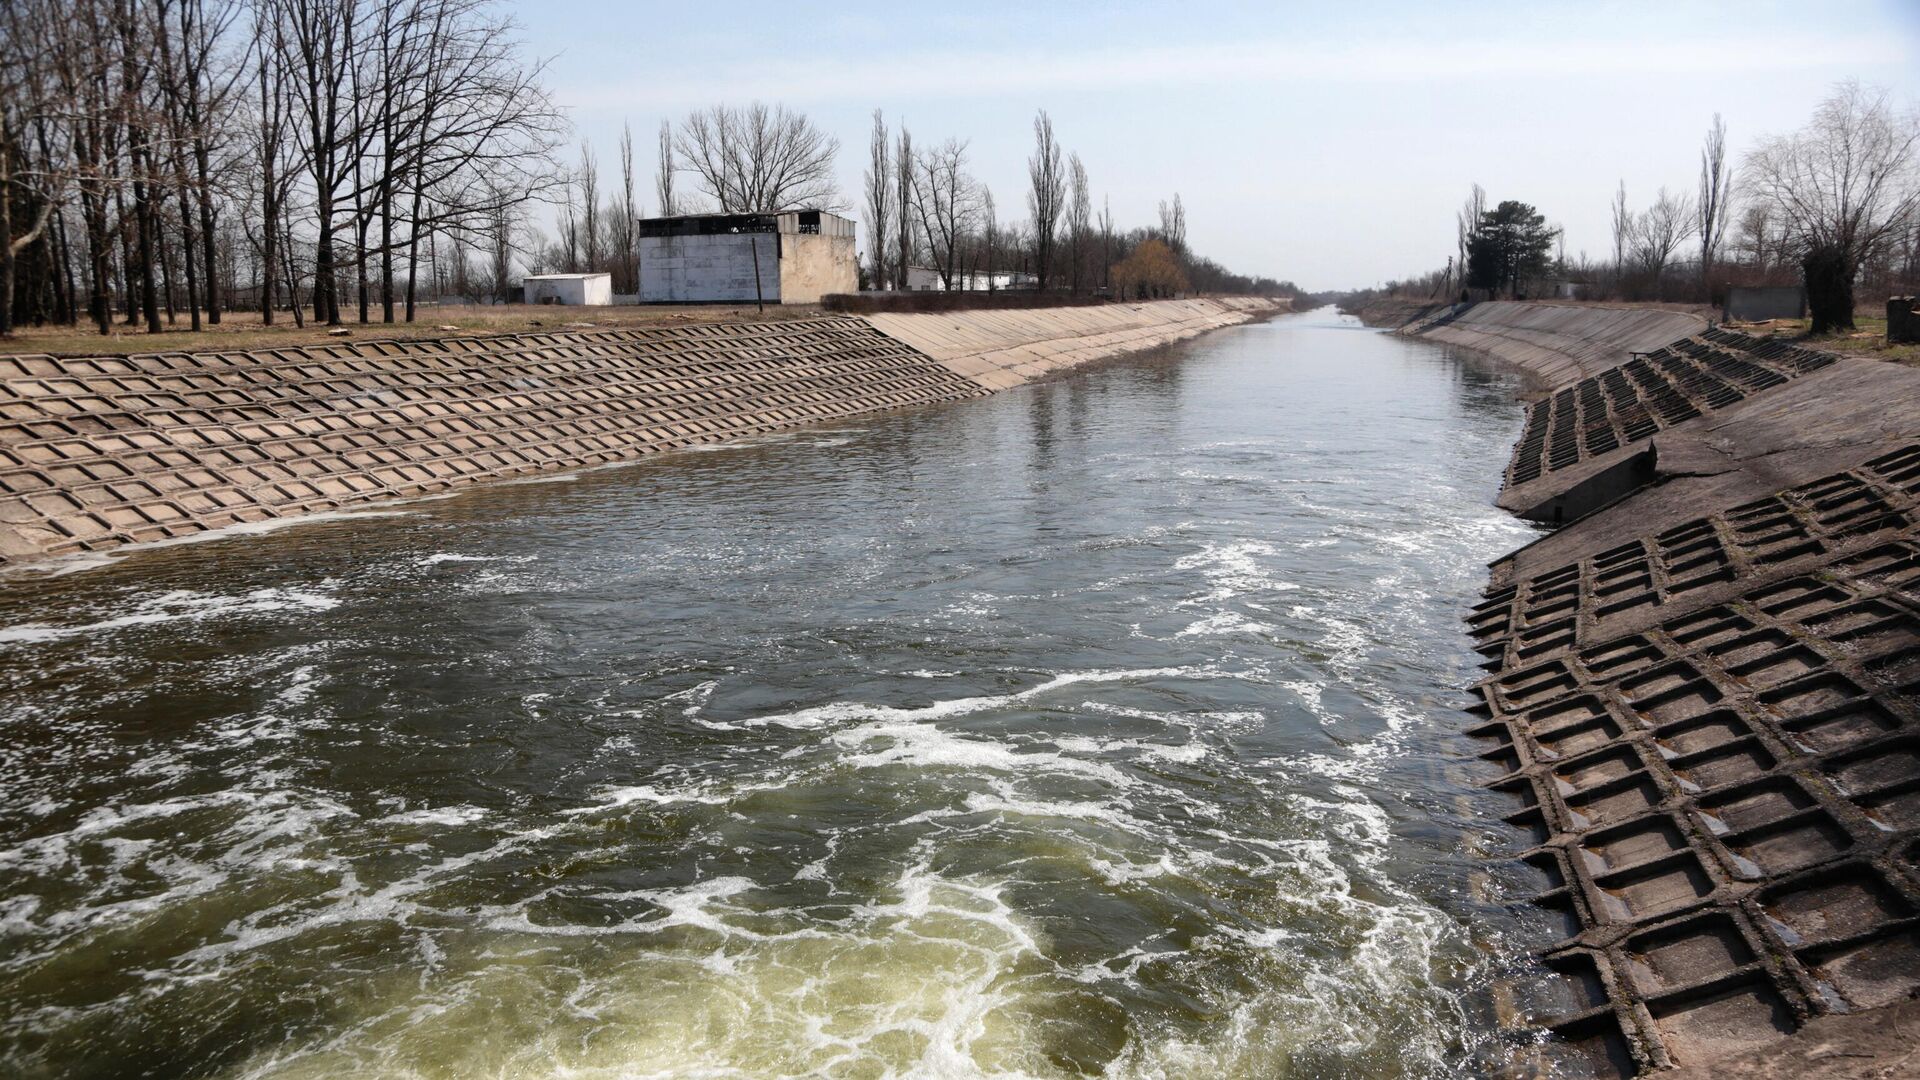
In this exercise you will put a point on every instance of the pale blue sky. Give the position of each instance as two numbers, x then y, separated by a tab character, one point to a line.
1328	145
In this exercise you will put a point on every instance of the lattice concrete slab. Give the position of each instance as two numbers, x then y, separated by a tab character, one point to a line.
1704	704
1585	442
1726	805
105	451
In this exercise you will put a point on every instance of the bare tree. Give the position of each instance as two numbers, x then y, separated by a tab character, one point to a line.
1843	188
1079	218
947	202
1466	222
880	195
1714	205
1173	225
759	159
590	255
989	235
626	221
1106	242
1623	228
27	98
1659	231
1046	194
903	175
663	178
1755	239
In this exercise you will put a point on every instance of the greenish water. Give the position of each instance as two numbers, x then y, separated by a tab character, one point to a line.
1102	727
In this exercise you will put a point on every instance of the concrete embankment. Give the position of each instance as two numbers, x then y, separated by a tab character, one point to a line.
100	452
998	349
1704	699
1550	343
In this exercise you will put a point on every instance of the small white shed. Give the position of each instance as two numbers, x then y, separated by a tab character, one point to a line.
574	290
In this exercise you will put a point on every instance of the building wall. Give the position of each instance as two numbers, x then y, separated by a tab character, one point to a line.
815	264
593	289
719	267
927	279
1754	303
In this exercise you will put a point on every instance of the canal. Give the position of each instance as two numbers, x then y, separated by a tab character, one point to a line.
1103	727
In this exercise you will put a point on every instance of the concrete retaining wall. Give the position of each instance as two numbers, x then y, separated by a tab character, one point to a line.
1555	343
106	451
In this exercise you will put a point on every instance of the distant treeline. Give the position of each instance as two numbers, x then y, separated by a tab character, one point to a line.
1834	206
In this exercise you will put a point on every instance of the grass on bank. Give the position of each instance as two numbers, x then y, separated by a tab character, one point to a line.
239	330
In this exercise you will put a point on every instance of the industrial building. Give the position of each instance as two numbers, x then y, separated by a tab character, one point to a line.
792	257
928	279
590	290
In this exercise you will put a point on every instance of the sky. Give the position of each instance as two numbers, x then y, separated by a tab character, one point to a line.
1324	144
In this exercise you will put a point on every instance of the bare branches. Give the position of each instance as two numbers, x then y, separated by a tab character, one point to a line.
947	202
1844	188
759	159
1173	224
663	178
1848	179
1046	191
1659	230
1714	203
880	196
1079	217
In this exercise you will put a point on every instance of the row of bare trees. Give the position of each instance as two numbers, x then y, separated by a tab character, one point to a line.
1834	206
749	159
167	154
180	158
925	210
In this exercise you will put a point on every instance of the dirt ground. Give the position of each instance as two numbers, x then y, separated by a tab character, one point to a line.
243	330
1867	338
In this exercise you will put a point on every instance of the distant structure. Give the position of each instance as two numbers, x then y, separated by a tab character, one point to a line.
1758	303
1903	320
798	257
574	290
927	279
1573	290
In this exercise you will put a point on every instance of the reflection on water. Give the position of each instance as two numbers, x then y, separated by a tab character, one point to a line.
1100	727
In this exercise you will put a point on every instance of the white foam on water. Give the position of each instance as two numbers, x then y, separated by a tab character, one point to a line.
180	605
448	816
842	711
1232	569
1224	624
543	478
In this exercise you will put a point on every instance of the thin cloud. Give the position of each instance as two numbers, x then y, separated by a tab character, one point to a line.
1001	74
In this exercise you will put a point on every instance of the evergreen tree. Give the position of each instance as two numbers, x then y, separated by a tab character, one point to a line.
1511	243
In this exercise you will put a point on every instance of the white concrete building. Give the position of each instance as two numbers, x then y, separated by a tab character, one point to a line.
927	279
574	290
795	257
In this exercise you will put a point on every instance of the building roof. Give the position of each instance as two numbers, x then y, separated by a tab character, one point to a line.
786	221
568	277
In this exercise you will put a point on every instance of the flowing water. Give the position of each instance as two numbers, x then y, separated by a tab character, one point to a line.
1102	727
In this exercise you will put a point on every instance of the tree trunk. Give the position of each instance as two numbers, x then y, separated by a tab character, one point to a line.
7	260
1828	271
207	261
100	305
143	224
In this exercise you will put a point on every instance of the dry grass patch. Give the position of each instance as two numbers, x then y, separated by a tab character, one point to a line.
241	330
